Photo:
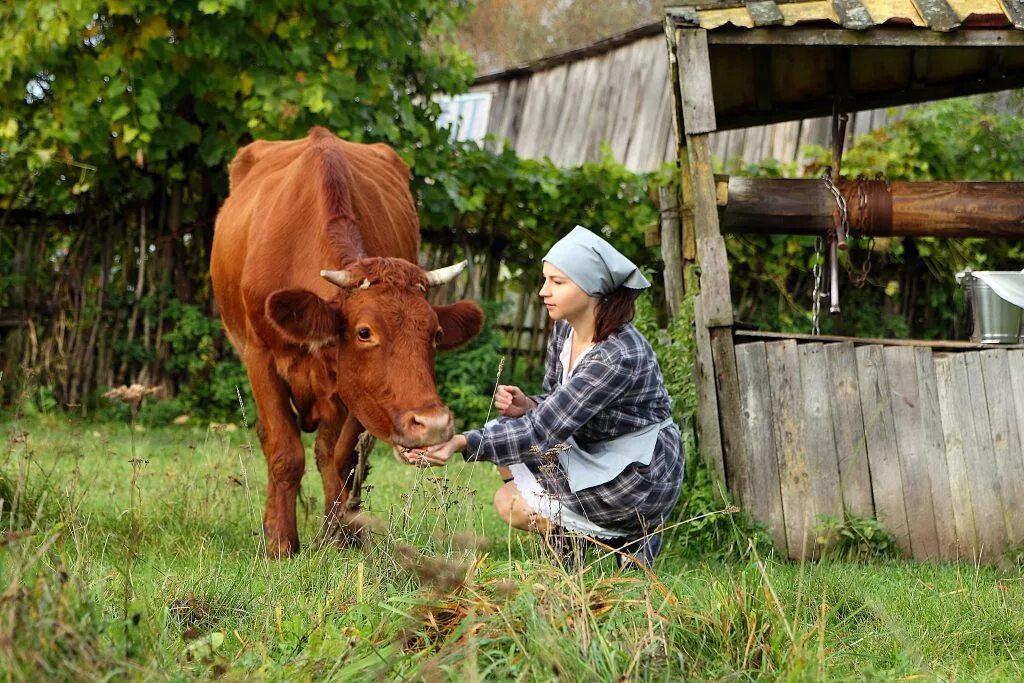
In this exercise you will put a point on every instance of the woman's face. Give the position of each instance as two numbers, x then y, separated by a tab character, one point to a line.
563	298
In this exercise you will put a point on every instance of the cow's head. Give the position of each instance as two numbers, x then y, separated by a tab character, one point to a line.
381	334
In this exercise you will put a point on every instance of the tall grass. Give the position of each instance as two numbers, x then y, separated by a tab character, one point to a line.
151	567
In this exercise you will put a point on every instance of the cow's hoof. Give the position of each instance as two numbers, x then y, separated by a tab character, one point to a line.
280	547
280	550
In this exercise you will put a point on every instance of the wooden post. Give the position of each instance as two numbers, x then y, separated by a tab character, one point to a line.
700	216
671	248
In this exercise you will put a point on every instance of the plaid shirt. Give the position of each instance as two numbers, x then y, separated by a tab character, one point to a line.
615	389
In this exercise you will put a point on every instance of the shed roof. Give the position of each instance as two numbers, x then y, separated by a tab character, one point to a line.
937	15
781	60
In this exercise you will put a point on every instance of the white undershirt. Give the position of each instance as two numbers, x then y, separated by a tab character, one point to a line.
567	353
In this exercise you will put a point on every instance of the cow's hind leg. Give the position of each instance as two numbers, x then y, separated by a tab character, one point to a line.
283	450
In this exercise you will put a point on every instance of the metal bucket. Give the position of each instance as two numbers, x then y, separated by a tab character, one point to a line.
994	320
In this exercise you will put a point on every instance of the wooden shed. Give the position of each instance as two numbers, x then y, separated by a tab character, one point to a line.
925	436
616	92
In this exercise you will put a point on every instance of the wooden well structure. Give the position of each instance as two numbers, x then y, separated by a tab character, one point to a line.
927	437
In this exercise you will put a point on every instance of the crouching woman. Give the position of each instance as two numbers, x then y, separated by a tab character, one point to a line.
597	453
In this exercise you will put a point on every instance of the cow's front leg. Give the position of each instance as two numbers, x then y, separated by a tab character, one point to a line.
326	443
283	450
343	519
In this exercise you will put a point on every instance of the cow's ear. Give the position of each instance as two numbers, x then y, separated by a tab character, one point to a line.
303	317
459	322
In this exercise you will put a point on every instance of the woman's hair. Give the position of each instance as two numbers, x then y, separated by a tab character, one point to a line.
614	311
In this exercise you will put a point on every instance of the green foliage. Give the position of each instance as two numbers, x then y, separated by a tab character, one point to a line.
519	207
210	383
949	140
467	376
105	89
855	539
115	131
703	527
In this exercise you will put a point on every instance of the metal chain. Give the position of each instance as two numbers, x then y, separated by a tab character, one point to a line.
859	275
816	296
819	247
844	217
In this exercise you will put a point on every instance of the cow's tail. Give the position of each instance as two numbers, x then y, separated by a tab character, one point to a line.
336	182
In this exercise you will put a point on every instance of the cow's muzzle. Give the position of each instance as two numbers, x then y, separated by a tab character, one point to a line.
423	427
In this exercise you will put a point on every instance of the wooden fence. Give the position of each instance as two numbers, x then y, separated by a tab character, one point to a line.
925	437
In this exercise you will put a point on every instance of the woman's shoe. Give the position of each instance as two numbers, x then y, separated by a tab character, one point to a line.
636	552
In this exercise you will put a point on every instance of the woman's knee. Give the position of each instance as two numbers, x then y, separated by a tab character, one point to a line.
504	500
511	506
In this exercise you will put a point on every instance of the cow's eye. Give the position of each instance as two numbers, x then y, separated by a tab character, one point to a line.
363	333
438	336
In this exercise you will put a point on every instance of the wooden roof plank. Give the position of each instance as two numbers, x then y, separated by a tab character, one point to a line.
1014	11
939	15
873	37
853	14
765	12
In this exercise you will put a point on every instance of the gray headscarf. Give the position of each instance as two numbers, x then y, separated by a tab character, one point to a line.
593	264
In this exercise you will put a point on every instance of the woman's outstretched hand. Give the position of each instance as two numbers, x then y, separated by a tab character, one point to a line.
511	401
437	454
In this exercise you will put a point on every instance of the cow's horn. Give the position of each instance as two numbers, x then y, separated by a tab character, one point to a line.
341	278
443	276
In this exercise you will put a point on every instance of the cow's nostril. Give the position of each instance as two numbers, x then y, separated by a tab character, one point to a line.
428	426
431	421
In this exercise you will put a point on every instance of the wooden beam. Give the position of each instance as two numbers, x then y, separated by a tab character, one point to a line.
875	37
695	81
698	118
938	345
876	207
938	14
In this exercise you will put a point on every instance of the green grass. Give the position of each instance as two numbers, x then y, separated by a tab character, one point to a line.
153	569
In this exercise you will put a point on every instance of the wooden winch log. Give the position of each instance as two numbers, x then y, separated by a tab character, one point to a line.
876	207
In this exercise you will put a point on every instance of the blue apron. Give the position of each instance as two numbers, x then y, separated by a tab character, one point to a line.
602	461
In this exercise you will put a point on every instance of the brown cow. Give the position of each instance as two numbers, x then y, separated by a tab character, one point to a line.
313	267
